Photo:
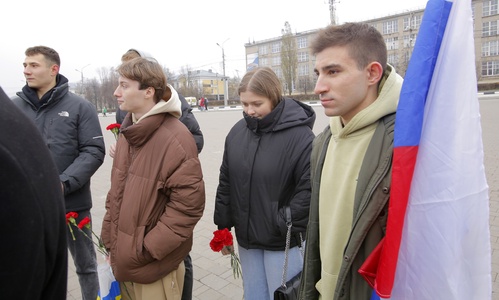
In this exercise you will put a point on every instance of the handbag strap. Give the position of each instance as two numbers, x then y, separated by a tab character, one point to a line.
289	224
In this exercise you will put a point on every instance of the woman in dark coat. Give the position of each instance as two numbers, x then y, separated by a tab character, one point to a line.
265	178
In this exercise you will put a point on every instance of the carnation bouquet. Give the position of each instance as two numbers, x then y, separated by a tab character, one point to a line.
109	288
221	239
85	222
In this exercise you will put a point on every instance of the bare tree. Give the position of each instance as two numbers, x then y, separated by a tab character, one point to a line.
306	84
184	83
233	88
108	83
289	58
169	74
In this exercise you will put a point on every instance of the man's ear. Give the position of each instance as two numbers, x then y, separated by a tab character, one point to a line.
150	91
375	72
54	69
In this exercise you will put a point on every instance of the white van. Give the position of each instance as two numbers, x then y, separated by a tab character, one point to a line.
192	101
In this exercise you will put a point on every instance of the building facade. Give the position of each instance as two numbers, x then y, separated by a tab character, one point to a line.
201	83
400	32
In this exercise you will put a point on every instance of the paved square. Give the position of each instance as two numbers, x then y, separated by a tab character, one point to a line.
213	278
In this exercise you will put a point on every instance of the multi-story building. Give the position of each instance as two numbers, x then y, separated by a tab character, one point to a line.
400	32
201	83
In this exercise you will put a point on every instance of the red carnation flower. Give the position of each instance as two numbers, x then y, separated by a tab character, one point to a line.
84	222
115	129
112	126
70	216
222	238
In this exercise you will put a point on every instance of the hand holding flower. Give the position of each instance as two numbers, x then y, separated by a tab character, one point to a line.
227	250
223	241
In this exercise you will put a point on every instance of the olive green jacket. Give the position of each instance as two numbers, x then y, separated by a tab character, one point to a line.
369	216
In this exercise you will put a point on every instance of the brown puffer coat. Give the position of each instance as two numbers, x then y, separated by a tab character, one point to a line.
156	198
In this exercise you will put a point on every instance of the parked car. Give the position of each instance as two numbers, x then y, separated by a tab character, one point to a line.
193	102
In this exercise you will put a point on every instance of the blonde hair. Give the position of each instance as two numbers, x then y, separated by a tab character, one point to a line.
262	81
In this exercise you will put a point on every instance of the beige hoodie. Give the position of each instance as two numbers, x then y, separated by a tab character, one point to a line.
342	164
172	106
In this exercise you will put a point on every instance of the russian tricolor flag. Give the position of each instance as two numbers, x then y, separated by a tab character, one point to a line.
437	244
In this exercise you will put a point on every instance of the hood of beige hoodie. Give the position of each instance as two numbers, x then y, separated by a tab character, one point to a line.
141	53
171	106
385	104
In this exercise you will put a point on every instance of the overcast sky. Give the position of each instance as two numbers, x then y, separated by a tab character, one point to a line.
93	34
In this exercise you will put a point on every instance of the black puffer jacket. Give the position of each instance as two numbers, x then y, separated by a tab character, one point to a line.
71	130
266	166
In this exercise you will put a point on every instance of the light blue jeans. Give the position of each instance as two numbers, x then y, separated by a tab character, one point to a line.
262	271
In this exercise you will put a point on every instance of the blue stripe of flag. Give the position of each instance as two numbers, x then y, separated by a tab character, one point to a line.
374	296
410	111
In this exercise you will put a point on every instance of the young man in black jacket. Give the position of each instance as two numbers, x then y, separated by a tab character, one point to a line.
70	128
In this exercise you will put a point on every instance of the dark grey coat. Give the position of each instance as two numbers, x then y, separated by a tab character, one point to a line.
369	219
71	130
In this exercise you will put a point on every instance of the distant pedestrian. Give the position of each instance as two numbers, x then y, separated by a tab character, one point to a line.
206	104
104	111
201	104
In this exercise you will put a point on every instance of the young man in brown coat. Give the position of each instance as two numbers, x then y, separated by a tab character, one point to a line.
157	190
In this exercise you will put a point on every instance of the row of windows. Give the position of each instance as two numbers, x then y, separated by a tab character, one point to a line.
276	60
301	42
489	28
490	68
303	69
392	43
394	59
489	8
411	22
490	48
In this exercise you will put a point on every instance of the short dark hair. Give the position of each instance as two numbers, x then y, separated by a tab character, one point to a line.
50	54
365	44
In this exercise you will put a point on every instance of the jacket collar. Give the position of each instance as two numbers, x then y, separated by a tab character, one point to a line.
139	133
61	88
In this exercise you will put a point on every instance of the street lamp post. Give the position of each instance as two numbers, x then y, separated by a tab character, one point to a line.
223	66
218	92
81	72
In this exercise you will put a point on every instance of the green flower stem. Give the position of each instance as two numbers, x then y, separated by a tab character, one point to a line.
71	230
100	246
235	263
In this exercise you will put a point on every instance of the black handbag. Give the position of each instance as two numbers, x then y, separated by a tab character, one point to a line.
289	289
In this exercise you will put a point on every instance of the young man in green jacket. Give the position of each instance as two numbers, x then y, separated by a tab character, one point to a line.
350	161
